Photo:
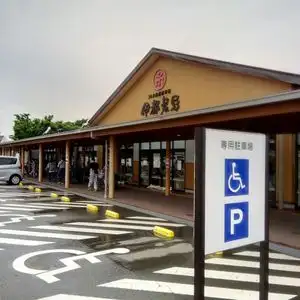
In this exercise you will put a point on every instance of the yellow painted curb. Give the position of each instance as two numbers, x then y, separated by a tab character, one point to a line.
92	208
112	214
20	184
217	254
53	195
65	199
164	232
30	187
38	190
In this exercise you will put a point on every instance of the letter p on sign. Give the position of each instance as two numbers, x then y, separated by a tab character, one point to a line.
236	225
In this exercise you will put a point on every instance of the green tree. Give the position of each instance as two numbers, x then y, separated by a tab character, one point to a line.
27	127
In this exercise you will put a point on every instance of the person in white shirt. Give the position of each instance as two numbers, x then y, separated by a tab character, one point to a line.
51	169
61	166
93	176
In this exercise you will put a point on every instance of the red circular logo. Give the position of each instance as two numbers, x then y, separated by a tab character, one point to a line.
159	80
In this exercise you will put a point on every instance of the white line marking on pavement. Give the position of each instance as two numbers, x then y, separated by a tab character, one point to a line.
90	201
57	205
188	289
72	297
33	206
141	222
228	275
121	226
49	199
271	255
48	235
18	208
146	218
80	229
251	264
23	242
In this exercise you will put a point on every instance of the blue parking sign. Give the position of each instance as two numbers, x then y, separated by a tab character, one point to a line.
236	221
236	177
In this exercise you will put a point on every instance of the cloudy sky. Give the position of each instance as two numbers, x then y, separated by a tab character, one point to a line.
65	57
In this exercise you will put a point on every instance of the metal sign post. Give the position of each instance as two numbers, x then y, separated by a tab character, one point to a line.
199	215
264	245
231	199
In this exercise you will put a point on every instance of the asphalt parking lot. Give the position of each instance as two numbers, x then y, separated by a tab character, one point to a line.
52	249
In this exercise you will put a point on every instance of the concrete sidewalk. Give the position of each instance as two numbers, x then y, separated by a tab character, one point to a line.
284	225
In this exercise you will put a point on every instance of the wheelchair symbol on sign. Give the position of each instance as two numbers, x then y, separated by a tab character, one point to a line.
235	176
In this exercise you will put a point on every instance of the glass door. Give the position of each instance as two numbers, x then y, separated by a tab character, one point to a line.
298	171
178	171
272	170
144	169
156	174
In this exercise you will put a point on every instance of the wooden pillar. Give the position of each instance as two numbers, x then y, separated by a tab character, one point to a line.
285	169
279	170
106	170
22	159
111	171
40	163
67	169
168	171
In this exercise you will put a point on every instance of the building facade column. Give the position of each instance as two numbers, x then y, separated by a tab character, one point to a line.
22	159
40	163
168	169
67	167
106	170
111	171
279	170
285	169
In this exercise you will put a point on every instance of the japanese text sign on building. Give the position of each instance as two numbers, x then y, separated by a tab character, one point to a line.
234	189
162	100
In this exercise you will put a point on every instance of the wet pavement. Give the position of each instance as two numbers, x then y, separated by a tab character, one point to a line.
57	250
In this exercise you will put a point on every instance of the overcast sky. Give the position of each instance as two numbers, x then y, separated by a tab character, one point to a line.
65	57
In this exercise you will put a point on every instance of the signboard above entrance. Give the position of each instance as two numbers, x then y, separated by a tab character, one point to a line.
161	101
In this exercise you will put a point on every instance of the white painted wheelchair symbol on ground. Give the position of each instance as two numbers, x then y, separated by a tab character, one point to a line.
235	176
17	218
69	262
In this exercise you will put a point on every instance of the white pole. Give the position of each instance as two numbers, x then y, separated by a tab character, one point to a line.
106	170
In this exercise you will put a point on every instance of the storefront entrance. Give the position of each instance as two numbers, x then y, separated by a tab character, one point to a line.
153	166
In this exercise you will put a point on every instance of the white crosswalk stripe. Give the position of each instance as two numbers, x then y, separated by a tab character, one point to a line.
223	278
145	218
23	242
48	235
80	229
33	206
72	297
18	208
153	223
188	289
103	225
229	275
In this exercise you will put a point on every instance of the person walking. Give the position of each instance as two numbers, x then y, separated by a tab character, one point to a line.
61	166
51	169
93	176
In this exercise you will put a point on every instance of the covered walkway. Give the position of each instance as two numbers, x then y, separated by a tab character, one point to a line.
284	225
